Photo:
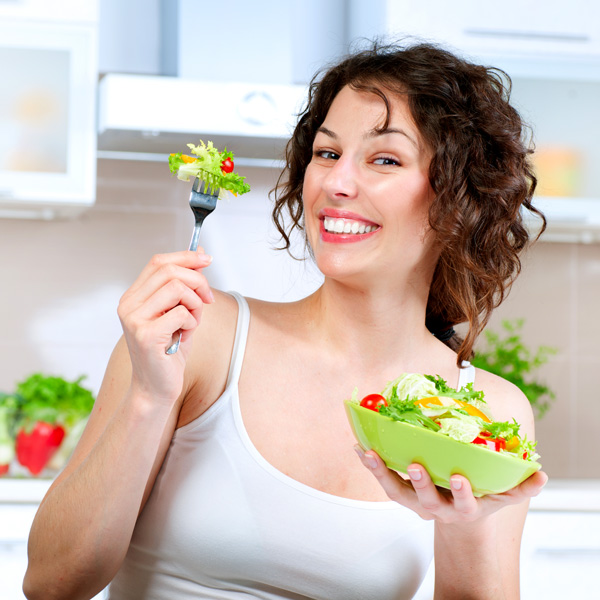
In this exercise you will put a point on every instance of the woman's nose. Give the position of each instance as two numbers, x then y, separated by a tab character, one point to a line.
340	182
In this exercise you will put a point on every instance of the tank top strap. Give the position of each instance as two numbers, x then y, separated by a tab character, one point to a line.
241	337
466	374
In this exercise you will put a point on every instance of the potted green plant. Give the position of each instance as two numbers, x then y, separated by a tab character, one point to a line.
507	356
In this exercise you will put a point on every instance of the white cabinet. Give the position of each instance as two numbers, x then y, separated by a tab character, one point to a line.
63	11
560	554
526	37
48	70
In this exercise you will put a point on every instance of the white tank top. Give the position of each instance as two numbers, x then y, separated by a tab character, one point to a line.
223	523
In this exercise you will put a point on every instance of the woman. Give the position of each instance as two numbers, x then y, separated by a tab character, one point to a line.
226	470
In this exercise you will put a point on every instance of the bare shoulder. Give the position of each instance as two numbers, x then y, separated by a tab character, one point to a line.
207	366
505	400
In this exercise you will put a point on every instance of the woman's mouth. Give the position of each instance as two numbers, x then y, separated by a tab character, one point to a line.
341	230
346	226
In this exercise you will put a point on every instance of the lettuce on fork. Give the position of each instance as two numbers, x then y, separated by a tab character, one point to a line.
209	165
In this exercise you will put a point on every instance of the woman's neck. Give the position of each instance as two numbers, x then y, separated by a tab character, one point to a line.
370	324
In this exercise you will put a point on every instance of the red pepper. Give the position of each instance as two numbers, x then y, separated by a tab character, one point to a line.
4	469
496	444
35	448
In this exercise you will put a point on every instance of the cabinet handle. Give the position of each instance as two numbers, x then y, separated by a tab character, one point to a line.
568	552
528	35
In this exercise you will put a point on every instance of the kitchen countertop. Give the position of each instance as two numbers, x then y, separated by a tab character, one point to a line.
559	494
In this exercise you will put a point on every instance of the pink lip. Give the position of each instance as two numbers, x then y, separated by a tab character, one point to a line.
334	213
343	238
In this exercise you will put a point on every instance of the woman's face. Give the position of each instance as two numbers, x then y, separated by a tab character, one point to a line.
366	192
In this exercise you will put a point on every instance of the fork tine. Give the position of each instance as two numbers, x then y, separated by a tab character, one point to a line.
202	204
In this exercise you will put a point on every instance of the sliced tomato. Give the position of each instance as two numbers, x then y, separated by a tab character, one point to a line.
373	402
495	444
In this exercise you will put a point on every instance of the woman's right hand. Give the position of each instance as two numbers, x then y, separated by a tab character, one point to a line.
167	297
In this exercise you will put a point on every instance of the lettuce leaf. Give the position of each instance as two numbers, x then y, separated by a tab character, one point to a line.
406	411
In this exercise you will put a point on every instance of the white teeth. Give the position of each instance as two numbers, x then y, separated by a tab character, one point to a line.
346	226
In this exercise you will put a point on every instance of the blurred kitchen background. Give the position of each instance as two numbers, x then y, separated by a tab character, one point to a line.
95	95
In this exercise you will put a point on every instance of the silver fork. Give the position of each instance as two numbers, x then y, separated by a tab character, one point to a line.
202	204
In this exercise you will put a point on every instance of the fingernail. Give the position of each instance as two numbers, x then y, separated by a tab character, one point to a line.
211	296
414	474
369	461
456	484
359	451
208	258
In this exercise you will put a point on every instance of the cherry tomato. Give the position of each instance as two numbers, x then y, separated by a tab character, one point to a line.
227	166
373	402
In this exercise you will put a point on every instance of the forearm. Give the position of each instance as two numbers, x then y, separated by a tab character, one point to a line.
84	525
468	565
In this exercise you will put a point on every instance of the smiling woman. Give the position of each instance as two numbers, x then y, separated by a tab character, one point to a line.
227	470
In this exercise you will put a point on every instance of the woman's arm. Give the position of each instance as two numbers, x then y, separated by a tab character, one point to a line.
480	560
83	527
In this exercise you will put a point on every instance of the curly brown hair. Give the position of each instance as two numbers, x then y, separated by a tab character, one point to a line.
480	172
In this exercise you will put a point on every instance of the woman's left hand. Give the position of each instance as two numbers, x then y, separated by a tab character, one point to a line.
445	506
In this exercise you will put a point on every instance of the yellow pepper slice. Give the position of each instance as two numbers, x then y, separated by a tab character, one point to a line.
512	443
185	158
469	408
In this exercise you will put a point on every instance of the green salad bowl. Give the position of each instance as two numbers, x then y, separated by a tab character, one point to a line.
401	444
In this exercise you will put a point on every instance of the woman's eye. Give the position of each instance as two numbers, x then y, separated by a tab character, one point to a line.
386	160
327	154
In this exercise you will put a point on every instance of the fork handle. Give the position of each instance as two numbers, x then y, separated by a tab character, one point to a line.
176	339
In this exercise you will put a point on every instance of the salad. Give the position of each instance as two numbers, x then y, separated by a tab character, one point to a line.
212	167
427	401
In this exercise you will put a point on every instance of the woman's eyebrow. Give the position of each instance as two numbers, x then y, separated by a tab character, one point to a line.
377	132
327	132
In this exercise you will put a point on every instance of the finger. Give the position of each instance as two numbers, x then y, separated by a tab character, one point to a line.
177	319
393	484
165	275
186	259
532	486
169	296
204	291
428	495
464	501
